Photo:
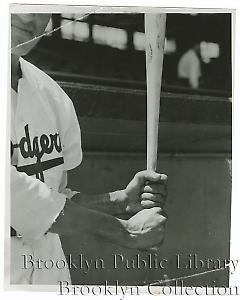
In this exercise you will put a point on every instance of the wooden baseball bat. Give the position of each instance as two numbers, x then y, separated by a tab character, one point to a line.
155	38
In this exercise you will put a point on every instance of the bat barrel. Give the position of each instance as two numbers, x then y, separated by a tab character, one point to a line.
155	38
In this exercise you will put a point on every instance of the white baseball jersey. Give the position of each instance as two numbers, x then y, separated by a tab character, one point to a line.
45	143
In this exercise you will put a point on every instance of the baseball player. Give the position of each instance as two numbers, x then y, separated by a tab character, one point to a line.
45	145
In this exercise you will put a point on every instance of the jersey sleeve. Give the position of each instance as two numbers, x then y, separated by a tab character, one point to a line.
34	206
63	110
70	130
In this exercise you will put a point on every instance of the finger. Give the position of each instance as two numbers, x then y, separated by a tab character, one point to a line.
162	180
150	196
151	176
155	188
150	204
157	198
157	210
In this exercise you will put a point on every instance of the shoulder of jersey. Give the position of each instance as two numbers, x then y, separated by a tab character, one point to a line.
31	72
41	80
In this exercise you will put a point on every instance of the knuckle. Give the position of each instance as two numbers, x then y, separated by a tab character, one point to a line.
144	195
164	177
138	174
158	210
147	204
148	188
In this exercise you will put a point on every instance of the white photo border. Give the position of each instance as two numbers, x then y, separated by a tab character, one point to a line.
172	6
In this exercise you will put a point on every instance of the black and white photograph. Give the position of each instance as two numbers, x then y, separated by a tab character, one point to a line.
120	150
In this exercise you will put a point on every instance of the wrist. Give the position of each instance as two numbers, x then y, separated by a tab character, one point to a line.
129	236
119	198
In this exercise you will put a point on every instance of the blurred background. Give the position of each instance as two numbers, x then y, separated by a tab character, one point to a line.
112	46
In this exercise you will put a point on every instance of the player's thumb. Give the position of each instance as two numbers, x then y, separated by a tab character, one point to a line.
151	176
